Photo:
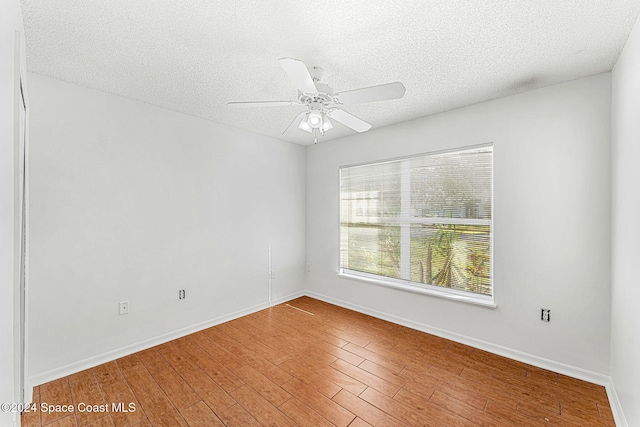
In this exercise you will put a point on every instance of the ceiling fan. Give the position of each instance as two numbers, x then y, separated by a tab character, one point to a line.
321	103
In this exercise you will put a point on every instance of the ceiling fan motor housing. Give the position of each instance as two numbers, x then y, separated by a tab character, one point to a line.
324	95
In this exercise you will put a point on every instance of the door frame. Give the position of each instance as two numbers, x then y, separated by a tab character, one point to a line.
23	391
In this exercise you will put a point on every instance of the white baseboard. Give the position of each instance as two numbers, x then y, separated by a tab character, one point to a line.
616	406
520	356
99	359
28	392
540	362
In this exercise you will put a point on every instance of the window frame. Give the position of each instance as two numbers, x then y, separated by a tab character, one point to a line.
422	288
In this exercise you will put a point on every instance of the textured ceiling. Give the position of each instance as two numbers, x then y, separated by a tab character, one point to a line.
194	56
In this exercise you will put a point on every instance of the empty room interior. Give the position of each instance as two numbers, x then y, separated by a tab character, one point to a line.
331	213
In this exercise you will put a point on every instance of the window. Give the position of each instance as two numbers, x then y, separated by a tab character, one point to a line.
423	222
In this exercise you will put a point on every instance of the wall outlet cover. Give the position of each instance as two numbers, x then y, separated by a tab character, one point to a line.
123	308
545	315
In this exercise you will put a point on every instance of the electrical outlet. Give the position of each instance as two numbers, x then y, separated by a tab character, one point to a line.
308	268
124	307
182	294
545	315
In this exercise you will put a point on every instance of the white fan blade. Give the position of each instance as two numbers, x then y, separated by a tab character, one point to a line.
299	73
374	93
262	104
349	120
296	121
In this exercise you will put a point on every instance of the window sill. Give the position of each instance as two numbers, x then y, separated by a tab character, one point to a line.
468	299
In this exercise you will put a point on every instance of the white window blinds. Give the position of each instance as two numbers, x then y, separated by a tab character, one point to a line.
424	220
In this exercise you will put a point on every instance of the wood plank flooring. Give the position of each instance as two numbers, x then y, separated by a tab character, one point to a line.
309	363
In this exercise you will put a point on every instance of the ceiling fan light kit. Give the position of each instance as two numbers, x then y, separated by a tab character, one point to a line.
322	103
316	113
304	126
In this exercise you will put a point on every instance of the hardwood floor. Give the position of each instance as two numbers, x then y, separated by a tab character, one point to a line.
323	366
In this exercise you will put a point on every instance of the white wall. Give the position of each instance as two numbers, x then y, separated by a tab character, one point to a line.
133	202
625	312
10	22
551	224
